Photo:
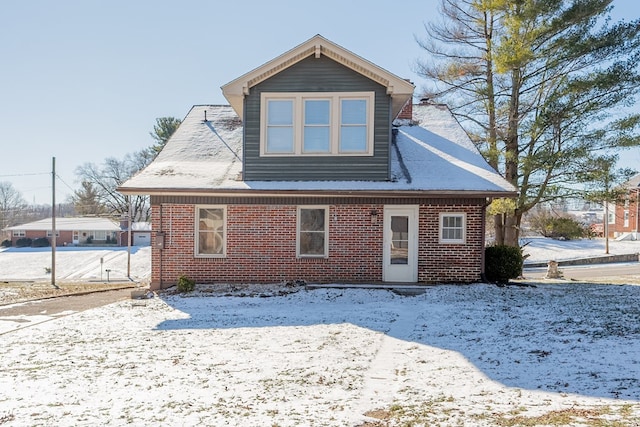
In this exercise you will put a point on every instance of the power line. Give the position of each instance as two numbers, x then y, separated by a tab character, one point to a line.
62	180
25	174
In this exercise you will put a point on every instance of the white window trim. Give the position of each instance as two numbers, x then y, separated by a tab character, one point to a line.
464	227
334	99
19	233
197	231
50	233
612	212
326	232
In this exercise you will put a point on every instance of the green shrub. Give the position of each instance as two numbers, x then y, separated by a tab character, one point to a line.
566	229
185	284
557	227
6	243
40	242
502	263
23	242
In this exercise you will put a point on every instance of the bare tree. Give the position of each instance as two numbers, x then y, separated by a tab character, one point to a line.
12	205
110	175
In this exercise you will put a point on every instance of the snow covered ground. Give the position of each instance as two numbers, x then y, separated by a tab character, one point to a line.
456	355
74	263
543	249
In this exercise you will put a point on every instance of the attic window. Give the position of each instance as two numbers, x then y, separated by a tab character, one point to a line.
317	123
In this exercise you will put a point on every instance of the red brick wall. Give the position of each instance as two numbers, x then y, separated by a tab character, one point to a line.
62	238
450	262
261	246
634	216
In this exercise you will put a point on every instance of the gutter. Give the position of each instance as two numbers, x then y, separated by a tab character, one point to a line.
315	193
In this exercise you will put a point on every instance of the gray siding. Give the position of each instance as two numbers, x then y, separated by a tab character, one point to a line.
317	75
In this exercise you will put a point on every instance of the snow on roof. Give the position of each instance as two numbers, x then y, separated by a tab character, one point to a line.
141	226
201	154
70	224
205	156
634	182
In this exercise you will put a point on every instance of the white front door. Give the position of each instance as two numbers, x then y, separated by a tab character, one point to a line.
76	237
400	244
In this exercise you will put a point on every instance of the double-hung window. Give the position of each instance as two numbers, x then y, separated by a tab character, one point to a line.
313	232
452	227
317	123
316	137
211	231
279	133
353	125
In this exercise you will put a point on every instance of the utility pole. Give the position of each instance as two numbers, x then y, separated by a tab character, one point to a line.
606	227
130	227
53	223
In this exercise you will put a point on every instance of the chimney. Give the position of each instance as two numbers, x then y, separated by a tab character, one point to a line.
407	111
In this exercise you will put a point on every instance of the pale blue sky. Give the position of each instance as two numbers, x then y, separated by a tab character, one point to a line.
83	80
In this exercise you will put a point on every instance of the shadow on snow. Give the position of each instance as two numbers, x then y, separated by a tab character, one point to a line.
568	338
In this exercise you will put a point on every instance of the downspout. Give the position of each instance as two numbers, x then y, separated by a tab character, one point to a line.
160	250
483	276
637	211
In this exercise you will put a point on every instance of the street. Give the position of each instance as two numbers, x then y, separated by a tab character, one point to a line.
628	272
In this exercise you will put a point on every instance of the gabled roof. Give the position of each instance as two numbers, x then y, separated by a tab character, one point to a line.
204	157
634	182
399	89
70	224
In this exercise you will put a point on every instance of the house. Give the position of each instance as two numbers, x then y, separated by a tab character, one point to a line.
304	177
69	231
624	218
140	233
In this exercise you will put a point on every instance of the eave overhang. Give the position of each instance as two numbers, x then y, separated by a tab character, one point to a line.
400	194
400	90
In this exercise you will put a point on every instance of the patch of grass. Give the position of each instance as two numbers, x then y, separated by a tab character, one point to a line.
590	417
442	411
14	292
5	418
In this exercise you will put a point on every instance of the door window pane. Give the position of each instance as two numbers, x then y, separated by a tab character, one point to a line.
400	240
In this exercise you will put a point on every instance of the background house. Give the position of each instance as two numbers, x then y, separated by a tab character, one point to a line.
69	231
624	217
306	176
140	233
